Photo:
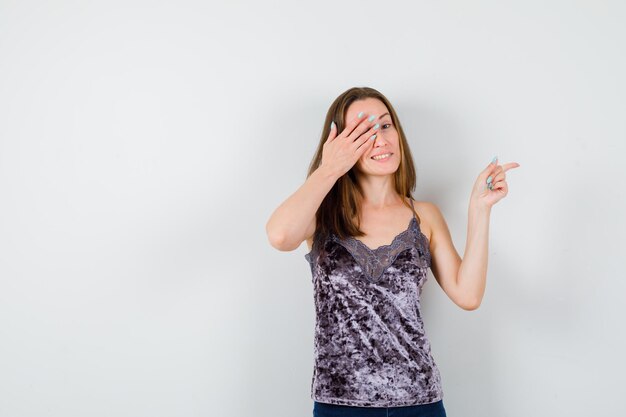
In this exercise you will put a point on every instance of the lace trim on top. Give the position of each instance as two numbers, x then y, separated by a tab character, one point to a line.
374	262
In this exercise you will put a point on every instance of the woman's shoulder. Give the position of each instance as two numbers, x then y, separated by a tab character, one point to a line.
427	206
428	213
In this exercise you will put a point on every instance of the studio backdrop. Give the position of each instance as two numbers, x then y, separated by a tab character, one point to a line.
144	145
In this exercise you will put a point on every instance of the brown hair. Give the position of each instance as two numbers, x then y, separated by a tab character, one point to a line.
339	212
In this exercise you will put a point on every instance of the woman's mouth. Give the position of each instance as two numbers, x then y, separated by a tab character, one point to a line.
382	157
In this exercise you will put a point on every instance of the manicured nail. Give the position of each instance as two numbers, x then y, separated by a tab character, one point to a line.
489	179
495	158
359	115
332	125
376	126
373	137
371	118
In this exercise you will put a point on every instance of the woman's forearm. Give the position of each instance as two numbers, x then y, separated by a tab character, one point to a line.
472	276
287	226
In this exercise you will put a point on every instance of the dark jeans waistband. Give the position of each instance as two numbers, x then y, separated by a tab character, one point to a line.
435	409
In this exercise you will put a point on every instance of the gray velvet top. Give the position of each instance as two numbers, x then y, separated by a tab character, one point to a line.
370	349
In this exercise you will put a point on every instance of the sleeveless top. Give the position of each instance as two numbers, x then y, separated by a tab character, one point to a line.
370	349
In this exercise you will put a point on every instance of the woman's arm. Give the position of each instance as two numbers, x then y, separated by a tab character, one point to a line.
464	280
294	220
472	275
445	260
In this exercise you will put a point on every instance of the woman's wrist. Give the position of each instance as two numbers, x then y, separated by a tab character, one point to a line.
478	207
327	173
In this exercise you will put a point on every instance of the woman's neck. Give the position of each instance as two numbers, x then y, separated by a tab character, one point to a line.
378	191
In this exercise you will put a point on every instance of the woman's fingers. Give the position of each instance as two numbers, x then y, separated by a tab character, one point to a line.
360	129
510	165
333	132
494	171
364	138
497	175
501	185
348	131
366	144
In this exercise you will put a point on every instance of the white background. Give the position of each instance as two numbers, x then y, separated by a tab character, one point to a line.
143	146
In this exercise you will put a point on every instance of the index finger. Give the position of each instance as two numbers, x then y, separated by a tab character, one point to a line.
506	167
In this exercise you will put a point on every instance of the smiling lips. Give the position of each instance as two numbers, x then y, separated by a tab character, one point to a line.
382	157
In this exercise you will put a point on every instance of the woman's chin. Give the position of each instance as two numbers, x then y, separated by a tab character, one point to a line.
378	172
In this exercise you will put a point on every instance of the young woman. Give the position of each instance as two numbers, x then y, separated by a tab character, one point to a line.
370	247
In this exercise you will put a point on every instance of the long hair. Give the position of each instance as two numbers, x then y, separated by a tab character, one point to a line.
340	211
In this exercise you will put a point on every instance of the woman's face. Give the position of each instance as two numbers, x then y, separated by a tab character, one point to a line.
386	147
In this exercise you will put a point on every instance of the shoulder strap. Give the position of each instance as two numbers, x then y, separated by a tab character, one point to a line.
412	206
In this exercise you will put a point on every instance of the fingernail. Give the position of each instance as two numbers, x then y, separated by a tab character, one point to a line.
332	125
489	179
359	115
373	137
495	158
371	118
376	126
